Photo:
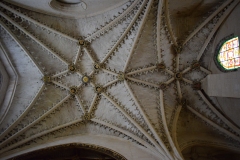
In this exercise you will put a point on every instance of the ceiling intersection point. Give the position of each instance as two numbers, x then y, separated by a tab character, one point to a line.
73	90
86	79
72	68
178	49
83	43
47	79
98	89
197	85
121	76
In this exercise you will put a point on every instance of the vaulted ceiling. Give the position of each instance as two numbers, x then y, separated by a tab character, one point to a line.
131	71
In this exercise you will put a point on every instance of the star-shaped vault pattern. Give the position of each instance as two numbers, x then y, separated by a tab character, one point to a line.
128	77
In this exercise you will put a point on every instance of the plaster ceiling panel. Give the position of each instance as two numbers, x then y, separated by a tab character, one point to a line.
51	97
62	115
153	76
110	114
86	94
203	152
166	50
65	48
70	79
84	62
206	135
103	78
123	97
29	82
187	14
148	99
8	81
76	129
145	52
106	42
103	112
196	75
117	60
170	102
170	95
4	78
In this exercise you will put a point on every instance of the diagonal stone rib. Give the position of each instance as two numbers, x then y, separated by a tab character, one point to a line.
35	22
148	122
39	135
159	18
59	74
21	46
89	55
34	122
231	125
207	20
214	124
139	140
167	15
93	103
141	70
23	114
111	24
77	56
143	82
179	90
33	37
110	72
187	81
175	147
220	21
138	33
80	103
110	83
136	124
125	32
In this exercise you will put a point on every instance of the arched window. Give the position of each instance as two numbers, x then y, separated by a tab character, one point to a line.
228	56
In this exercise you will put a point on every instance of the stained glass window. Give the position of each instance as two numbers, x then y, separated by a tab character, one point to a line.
229	54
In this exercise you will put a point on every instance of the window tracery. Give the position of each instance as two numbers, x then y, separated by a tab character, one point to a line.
228	54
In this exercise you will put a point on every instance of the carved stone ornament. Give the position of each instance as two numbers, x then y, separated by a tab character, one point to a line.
178	76
97	66
85	79
178	49
73	90
195	65
161	66
121	76
82	43
98	89
46	79
72	68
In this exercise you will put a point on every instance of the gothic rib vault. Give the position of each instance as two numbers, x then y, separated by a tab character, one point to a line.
122	73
